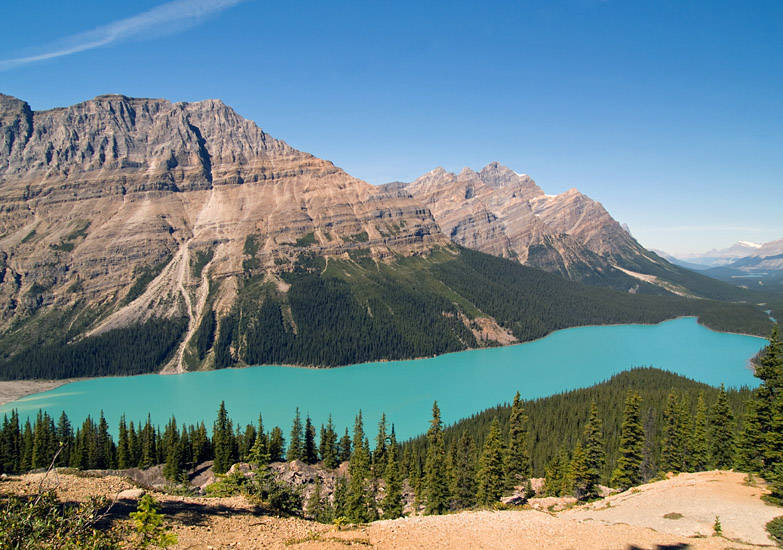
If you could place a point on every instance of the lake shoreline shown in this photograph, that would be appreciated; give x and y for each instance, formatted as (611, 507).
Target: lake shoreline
(12, 390)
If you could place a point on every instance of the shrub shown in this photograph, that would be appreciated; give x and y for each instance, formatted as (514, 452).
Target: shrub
(148, 525)
(775, 529)
(717, 529)
(43, 522)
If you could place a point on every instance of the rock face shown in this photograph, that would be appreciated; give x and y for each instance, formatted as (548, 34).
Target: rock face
(500, 212)
(98, 195)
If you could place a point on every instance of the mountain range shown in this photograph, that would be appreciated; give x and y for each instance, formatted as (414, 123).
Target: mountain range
(140, 234)
(745, 264)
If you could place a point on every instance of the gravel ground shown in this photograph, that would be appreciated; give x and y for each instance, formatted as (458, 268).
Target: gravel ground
(698, 498)
(630, 520)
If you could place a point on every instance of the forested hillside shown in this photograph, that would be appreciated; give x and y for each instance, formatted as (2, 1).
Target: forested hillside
(337, 311)
(556, 422)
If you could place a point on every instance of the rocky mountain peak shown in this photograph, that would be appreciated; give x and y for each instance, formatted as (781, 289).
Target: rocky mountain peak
(99, 193)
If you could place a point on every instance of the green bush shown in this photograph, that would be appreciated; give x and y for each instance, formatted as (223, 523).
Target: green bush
(148, 525)
(43, 522)
(230, 485)
(775, 529)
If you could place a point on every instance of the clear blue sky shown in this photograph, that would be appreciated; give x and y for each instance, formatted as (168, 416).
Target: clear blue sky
(668, 112)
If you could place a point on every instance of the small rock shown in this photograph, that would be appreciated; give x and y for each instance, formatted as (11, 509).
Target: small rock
(131, 494)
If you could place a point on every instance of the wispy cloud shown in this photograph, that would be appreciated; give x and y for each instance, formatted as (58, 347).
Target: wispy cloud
(159, 19)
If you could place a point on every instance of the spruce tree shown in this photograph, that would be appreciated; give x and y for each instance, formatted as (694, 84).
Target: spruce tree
(649, 465)
(556, 475)
(392, 499)
(464, 484)
(309, 451)
(65, 439)
(104, 445)
(123, 447)
(222, 435)
(341, 498)
(295, 450)
(627, 472)
(722, 432)
(435, 480)
(357, 509)
(518, 456)
(580, 476)
(379, 454)
(276, 445)
(490, 477)
(344, 449)
(699, 447)
(595, 453)
(259, 453)
(672, 457)
(329, 444)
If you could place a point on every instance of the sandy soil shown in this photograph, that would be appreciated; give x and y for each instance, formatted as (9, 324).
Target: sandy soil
(11, 390)
(630, 520)
(698, 498)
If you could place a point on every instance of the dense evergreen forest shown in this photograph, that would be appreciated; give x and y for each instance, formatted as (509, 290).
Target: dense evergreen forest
(343, 311)
(338, 312)
(136, 349)
(555, 423)
(622, 432)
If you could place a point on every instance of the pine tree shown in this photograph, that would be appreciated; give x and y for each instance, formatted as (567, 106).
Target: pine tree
(309, 452)
(357, 509)
(104, 445)
(518, 456)
(174, 465)
(722, 432)
(672, 457)
(392, 499)
(123, 447)
(148, 455)
(579, 474)
(490, 477)
(295, 451)
(686, 429)
(259, 453)
(627, 473)
(699, 456)
(64, 436)
(649, 466)
(464, 485)
(595, 454)
(329, 444)
(222, 435)
(341, 497)
(435, 479)
(344, 449)
(379, 454)
(276, 445)
(314, 507)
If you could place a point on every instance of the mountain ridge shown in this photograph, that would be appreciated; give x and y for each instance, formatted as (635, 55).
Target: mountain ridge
(137, 234)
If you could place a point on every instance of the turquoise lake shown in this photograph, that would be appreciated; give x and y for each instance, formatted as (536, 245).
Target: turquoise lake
(463, 383)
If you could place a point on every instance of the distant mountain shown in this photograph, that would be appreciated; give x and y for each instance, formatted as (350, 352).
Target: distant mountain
(740, 249)
(140, 234)
(501, 212)
(677, 261)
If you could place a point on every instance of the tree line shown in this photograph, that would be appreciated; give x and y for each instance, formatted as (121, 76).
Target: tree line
(473, 463)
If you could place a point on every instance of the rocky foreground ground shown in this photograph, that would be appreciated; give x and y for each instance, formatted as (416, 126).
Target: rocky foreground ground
(675, 513)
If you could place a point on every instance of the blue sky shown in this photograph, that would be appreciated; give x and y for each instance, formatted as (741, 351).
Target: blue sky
(669, 112)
